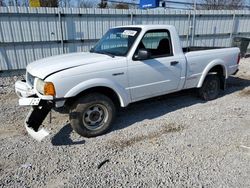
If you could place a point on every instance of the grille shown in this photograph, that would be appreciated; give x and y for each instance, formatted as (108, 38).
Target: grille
(30, 79)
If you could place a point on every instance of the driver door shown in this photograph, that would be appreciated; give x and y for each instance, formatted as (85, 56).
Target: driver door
(160, 73)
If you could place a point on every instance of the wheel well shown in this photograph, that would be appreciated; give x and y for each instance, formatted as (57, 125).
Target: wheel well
(218, 69)
(102, 90)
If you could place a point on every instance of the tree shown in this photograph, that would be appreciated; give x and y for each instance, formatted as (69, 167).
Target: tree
(49, 3)
(220, 4)
(13, 3)
(85, 4)
(121, 6)
(24, 3)
(2, 3)
(64, 3)
(103, 4)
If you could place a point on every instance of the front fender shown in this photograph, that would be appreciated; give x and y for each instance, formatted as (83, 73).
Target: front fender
(209, 67)
(121, 92)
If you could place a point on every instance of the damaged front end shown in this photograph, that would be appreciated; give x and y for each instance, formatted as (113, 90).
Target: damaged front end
(35, 118)
(38, 112)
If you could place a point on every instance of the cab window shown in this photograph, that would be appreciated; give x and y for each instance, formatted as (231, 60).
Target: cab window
(157, 43)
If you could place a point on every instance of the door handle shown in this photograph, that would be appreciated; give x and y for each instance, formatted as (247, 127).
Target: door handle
(174, 63)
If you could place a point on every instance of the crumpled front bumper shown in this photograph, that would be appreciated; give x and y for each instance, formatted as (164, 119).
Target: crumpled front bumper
(38, 135)
(23, 90)
(38, 112)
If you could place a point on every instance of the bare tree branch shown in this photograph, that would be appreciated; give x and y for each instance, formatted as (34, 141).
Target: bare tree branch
(85, 4)
(120, 6)
(2, 3)
(103, 4)
(220, 4)
(49, 3)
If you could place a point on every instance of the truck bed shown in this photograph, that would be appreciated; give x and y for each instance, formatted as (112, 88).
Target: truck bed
(199, 48)
(198, 59)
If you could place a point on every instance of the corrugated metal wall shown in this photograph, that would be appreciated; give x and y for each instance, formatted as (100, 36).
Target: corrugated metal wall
(27, 34)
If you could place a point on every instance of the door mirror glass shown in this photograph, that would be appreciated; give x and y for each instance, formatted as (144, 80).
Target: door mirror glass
(142, 54)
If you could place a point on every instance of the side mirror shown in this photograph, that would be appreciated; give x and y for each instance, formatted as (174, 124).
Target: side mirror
(142, 54)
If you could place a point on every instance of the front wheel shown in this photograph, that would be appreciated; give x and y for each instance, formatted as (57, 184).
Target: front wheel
(92, 115)
(210, 88)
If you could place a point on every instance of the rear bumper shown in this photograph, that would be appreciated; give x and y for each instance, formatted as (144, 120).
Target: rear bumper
(235, 72)
(232, 70)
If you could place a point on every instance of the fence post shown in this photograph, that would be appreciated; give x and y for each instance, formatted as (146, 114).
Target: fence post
(232, 30)
(131, 17)
(193, 27)
(61, 30)
(188, 31)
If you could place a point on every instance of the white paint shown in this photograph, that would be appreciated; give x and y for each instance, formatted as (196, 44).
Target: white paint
(31, 101)
(130, 79)
(76, 72)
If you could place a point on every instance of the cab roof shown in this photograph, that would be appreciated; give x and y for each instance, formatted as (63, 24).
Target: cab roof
(147, 27)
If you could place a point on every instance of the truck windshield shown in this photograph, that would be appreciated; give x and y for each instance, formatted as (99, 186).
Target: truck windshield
(117, 41)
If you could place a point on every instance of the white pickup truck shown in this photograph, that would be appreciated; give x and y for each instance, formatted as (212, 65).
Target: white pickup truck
(129, 64)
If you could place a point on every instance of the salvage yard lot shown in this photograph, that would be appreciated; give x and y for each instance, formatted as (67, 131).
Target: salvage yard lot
(174, 140)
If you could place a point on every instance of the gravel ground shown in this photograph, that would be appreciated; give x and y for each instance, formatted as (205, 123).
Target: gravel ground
(175, 140)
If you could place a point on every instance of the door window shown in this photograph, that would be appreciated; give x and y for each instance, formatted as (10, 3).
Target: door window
(157, 43)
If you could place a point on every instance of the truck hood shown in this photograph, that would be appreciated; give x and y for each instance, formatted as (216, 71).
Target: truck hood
(44, 67)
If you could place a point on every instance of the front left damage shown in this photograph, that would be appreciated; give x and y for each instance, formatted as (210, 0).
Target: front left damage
(39, 110)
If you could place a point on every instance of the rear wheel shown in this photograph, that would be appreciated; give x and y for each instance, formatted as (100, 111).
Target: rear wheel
(210, 88)
(92, 115)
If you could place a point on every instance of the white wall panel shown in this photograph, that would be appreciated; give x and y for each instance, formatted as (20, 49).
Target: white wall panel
(28, 34)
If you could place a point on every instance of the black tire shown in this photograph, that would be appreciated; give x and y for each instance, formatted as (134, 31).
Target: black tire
(92, 115)
(210, 88)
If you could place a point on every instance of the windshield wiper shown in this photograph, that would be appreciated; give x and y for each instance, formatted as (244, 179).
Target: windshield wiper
(105, 52)
(102, 52)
